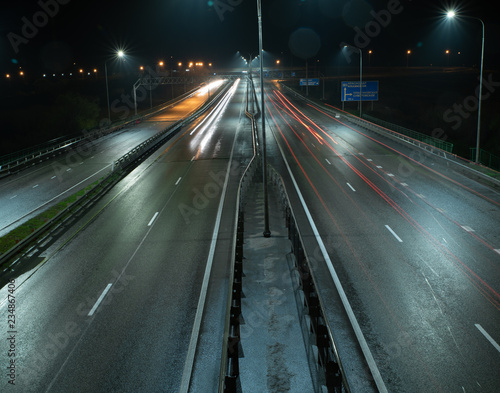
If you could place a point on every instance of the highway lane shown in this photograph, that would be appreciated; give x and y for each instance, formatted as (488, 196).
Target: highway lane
(146, 251)
(414, 243)
(23, 194)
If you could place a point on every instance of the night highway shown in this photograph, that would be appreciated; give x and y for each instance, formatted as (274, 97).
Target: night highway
(414, 243)
(114, 308)
(228, 196)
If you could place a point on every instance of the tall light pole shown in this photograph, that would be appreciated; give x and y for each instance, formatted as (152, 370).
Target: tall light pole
(120, 54)
(450, 15)
(360, 77)
(267, 232)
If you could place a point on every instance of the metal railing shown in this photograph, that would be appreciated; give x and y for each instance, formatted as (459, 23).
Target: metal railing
(486, 158)
(439, 143)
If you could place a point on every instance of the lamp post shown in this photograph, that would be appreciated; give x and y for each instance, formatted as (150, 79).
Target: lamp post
(408, 53)
(360, 77)
(450, 15)
(120, 54)
(267, 232)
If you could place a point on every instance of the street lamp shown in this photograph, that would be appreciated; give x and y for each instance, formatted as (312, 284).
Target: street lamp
(360, 77)
(120, 55)
(408, 53)
(451, 14)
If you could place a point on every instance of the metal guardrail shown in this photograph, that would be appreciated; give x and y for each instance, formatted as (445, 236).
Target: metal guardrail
(323, 357)
(439, 143)
(229, 369)
(486, 158)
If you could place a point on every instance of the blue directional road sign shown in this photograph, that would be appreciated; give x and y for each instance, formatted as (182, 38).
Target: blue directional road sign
(350, 91)
(312, 82)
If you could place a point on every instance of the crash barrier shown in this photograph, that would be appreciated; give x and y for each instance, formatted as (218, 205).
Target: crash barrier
(251, 106)
(120, 168)
(325, 365)
(439, 143)
(229, 369)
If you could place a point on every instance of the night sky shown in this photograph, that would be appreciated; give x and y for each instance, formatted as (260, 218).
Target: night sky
(87, 33)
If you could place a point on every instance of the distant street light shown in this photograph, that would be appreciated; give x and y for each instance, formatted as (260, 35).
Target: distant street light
(408, 53)
(450, 15)
(119, 54)
(360, 77)
(370, 58)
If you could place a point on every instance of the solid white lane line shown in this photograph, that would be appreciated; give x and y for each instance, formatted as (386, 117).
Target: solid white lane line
(153, 219)
(351, 187)
(488, 337)
(92, 311)
(497, 250)
(35, 186)
(192, 159)
(394, 233)
(468, 229)
(178, 180)
(328, 161)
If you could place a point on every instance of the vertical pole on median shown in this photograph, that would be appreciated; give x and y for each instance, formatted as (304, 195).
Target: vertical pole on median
(478, 136)
(107, 90)
(267, 232)
(360, 83)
